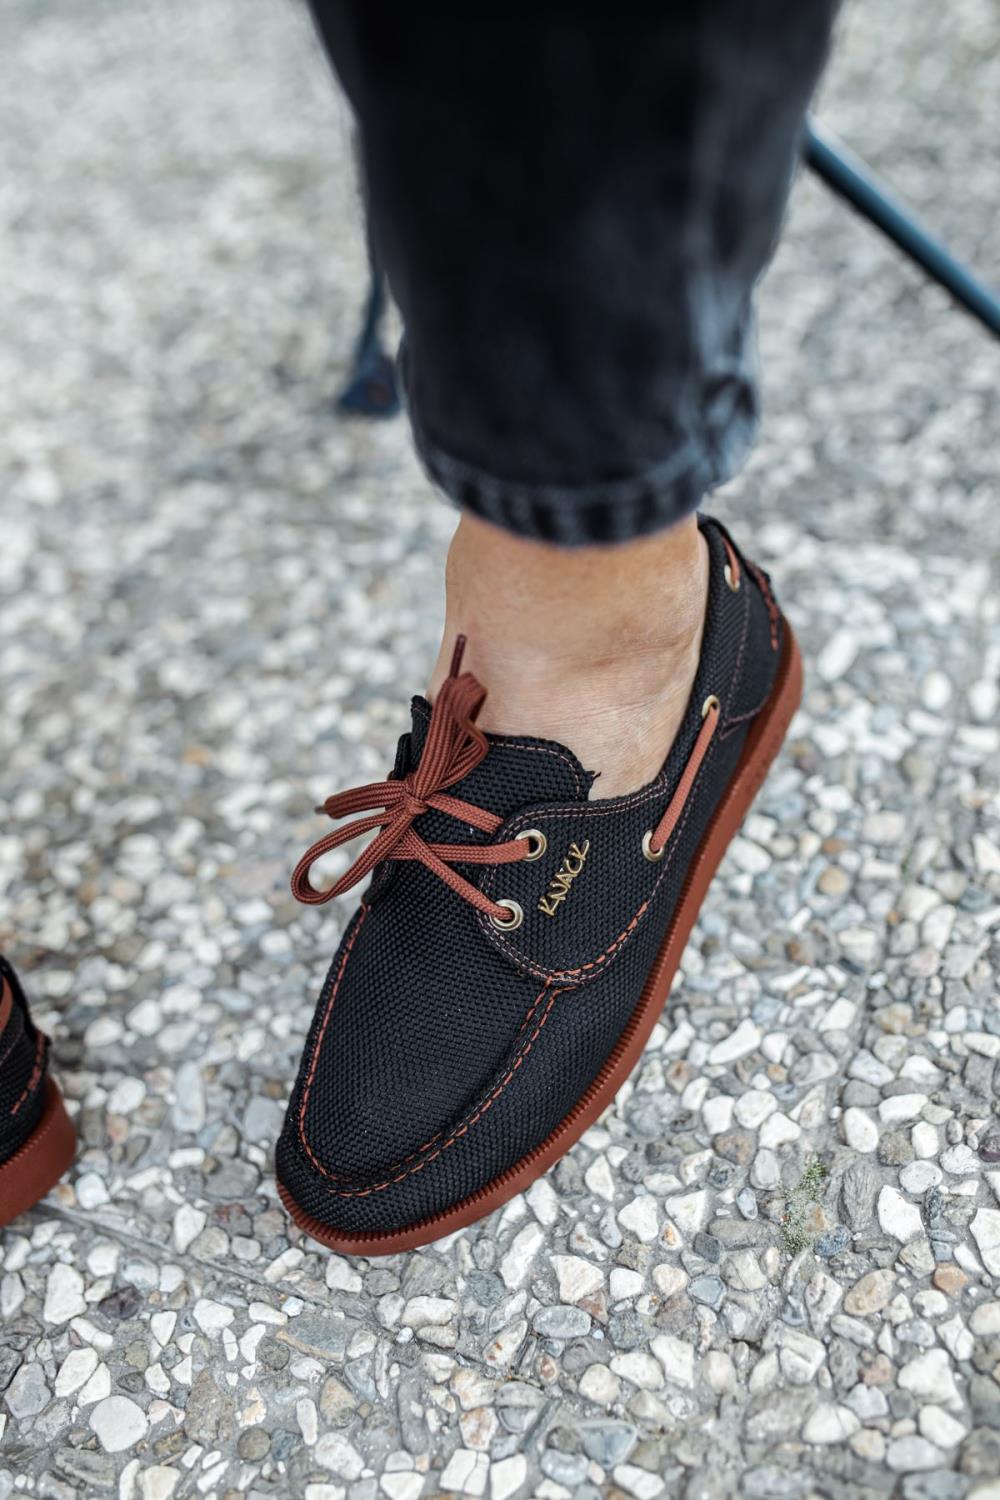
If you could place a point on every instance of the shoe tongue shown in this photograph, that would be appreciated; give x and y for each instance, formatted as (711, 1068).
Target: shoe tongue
(517, 771)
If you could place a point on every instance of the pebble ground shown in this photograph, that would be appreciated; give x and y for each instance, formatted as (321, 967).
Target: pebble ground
(773, 1269)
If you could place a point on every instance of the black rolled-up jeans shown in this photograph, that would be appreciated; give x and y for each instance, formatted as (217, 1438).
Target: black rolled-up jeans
(573, 210)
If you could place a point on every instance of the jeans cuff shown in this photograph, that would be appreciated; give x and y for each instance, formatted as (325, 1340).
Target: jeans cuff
(604, 512)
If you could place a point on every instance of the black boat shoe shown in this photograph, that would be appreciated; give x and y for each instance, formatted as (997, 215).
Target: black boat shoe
(36, 1138)
(517, 942)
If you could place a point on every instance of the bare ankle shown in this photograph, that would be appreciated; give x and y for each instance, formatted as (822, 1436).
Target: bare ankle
(597, 649)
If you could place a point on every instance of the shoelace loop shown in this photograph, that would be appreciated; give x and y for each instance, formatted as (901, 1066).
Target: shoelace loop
(454, 746)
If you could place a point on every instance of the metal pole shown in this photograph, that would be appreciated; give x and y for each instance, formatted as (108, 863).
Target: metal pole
(847, 175)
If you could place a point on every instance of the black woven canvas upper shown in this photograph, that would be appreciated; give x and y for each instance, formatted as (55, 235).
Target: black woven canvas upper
(23, 1061)
(444, 1050)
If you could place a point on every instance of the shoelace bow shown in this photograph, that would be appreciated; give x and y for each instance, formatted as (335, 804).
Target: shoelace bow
(454, 746)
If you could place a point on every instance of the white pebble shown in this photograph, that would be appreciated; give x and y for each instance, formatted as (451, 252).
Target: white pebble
(118, 1422)
(577, 1277)
(739, 1043)
(64, 1297)
(508, 1476)
(624, 1283)
(717, 1114)
(465, 1472)
(188, 1224)
(860, 1130)
(960, 1161)
(917, 1176)
(676, 1357)
(986, 1233)
(898, 1217)
(641, 1218)
(516, 1264)
(901, 1107)
(341, 1275)
(75, 1370)
(837, 655)
(126, 1096)
(907, 1455)
(930, 1377)
(830, 1424)
(753, 1108)
(642, 1483)
(211, 1317)
(939, 1427)
(91, 1191)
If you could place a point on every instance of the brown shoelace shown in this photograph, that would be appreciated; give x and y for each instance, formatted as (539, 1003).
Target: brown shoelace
(454, 746)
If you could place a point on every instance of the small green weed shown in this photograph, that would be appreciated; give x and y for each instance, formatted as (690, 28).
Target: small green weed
(801, 1223)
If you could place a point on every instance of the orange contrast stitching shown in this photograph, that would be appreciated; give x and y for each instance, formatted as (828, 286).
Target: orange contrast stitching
(602, 959)
(36, 1072)
(329, 1005)
(739, 658)
(438, 1133)
(6, 1003)
(636, 799)
(465, 1128)
(457, 1134)
(506, 744)
(770, 603)
(13, 1043)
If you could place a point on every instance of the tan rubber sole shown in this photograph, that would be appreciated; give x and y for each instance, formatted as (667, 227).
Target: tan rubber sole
(763, 743)
(38, 1165)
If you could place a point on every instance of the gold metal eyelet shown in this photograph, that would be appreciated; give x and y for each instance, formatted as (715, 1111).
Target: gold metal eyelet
(537, 843)
(734, 583)
(516, 915)
(710, 702)
(647, 847)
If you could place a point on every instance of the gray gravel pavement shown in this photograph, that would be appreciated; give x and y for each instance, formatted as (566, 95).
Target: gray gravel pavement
(773, 1268)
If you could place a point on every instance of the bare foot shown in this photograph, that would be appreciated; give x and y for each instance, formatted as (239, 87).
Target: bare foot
(595, 647)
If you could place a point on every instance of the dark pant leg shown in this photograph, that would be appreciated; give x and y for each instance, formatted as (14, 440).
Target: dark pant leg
(573, 210)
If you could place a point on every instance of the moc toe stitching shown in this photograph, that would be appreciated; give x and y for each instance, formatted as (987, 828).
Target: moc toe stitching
(431, 1150)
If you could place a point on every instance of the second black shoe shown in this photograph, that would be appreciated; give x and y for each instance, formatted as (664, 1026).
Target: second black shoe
(37, 1141)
